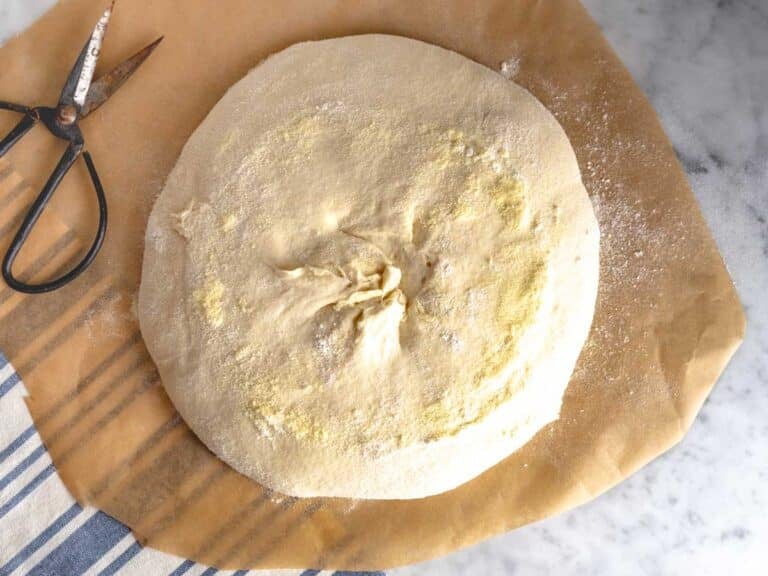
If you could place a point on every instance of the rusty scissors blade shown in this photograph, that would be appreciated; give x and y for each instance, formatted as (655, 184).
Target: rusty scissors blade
(79, 97)
(106, 85)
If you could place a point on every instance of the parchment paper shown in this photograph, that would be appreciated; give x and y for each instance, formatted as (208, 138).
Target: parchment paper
(667, 319)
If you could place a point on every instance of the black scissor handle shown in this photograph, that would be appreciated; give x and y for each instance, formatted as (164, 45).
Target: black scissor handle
(71, 154)
(24, 126)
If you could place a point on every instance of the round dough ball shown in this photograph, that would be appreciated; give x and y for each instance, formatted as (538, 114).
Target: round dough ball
(371, 271)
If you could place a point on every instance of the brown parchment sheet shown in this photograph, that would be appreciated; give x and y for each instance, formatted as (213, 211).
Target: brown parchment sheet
(667, 320)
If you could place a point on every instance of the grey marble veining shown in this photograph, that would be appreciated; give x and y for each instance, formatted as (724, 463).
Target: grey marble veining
(702, 508)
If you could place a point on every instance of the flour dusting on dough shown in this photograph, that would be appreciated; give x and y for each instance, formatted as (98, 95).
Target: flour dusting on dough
(380, 285)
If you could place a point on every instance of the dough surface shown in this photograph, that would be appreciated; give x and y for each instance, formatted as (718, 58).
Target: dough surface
(371, 271)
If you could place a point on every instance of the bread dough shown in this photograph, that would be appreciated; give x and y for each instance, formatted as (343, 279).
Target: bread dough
(371, 271)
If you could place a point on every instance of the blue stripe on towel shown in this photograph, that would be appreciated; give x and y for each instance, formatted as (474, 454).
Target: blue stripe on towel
(17, 443)
(121, 560)
(182, 568)
(27, 490)
(9, 383)
(33, 457)
(83, 547)
(41, 539)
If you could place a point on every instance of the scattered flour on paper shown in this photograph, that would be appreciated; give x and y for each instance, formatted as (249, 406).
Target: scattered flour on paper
(637, 237)
(510, 67)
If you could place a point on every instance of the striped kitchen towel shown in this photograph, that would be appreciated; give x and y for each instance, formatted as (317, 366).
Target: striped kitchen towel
(43, 530)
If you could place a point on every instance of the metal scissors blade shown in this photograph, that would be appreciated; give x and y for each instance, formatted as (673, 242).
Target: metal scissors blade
(79, 80)
(106, 85)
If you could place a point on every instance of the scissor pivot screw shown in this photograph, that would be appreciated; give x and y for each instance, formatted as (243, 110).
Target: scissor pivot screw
(67, 115)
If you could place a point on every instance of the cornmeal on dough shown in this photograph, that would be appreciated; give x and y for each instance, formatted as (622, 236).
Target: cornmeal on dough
(371, 271)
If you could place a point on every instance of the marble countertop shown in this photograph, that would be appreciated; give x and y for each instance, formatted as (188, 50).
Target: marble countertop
(701, 508)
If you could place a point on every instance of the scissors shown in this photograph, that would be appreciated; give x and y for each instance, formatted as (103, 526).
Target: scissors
(79, 97)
